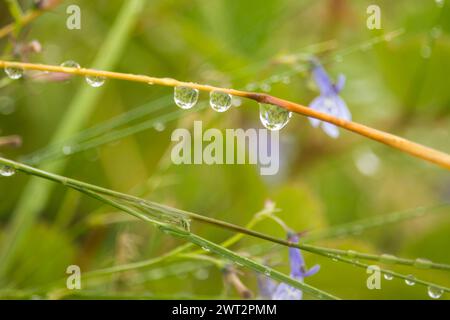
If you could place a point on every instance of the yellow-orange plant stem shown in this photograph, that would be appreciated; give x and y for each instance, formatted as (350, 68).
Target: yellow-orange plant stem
(434, 156)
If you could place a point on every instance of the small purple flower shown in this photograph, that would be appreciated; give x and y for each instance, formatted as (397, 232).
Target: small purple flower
(282, 291)
(329, 100)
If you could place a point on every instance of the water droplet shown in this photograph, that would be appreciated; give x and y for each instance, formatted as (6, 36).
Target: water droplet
(388, 276)
(67, 150)
(14, 73)
(95, 81)
(236, 102)
(273, 117)
(70, 64)
(422, 263)
(220, 101)
(206, 249)
(351, 253)
(201, 274)
(435, 293)
(440, 3)
(185, 97)
(267, 272)
(7, 171)
(387, 258)
(159, 126)
(266, 87)
(436, 32)
(410, 281)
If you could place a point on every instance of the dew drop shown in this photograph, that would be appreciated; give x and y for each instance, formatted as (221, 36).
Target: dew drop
(95, 81)
(436, 32)
(266, 87)
(201, 274)
(435, 293)
(185, 97)
(159, 126)
(206, 249)
(388, 276)
(440, 3)
(387, 258)
(422, 263)
(14, 73)
(273, 117)
(70, 64)
(67, 150)
(410, 281)
(236, 102)
(351, 253)
(267, 272)
(220, 101)
(7, 171)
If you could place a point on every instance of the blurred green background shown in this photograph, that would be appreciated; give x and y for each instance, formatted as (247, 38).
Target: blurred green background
(400, 86)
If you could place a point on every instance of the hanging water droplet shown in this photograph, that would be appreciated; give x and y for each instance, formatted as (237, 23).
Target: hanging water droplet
(435, 293)
(422, 263)
(67, 150)
(95, 81)
(440, 3)
(159, 126)
(220, 101)
(387, 258)
(388, 276)
(410, 281)
(266, 87)
(7, 171)
(351, 253)
(70, 64)
(206, 249)
(185, 97)
(273, 117)
(236, 102)
(267, 272)
(436, 32)
(14, 73)
(201, 274)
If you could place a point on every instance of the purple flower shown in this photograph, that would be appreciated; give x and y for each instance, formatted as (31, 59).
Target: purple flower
(282, 291)
(329, 100)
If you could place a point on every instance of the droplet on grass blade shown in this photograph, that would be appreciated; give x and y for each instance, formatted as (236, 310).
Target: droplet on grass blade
(70, 64)
(220, 101)
(7, 171)
(411, 280)
(388, 276)
(185, 97)
(14, 73)
(435, 293)
(95, 81)
(422, 263)
(273, 117)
